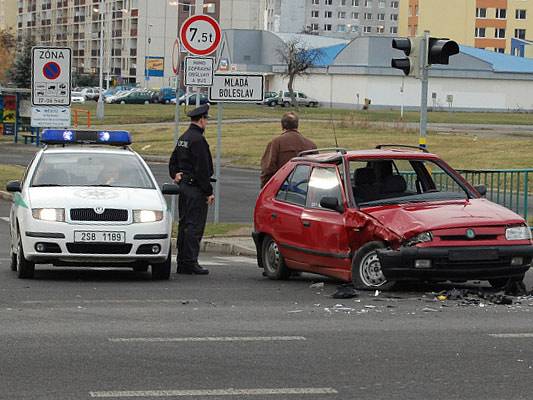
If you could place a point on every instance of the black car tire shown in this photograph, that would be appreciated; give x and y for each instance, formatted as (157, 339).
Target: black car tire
(273, 262)
(272, 103)
(146, 102)
(313, 104)
(286, 104)
(25, 268)
(13, 263)
(366, 269)
(140, 268)
(161, 271)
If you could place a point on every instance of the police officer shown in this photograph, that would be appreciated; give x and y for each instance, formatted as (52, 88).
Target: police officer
(191, 165)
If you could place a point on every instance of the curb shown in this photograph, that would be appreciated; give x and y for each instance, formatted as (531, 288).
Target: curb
(220, 246)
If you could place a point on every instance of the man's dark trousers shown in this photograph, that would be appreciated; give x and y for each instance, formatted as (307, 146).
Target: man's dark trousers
(192, 208)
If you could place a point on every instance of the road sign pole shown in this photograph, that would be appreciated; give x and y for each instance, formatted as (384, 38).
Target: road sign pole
(422, 141)
(218, 162)
(198, 9)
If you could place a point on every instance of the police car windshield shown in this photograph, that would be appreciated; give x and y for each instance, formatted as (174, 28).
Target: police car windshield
(91, 169)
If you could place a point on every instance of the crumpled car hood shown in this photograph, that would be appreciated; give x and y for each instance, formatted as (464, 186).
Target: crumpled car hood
(407, 220)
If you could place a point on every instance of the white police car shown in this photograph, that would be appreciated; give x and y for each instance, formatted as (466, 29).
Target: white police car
(90, 201)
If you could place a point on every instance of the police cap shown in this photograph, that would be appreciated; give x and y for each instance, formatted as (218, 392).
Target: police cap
(201, 111)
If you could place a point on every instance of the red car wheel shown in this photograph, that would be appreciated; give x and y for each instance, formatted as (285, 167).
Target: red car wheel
(273, 261)
(366, 269)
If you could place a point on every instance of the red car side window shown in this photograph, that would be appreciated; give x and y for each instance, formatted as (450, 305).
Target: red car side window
(324, 182)
(294, 189)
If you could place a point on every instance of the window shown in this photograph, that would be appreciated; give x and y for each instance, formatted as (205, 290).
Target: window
(480, 32)
(481, 12)
(314, 14)
(381, 17)
(327, 27)
(368, 3)
(368, 15)
(355, 28)
(294, 189)
(499, 50)
(355, 3)
(341, 14)
(501, 13)
(520, 33)
(381, 4)
(520, 14)
(394, 4)
(343, 2)
(367, 29)
(341, 28)
(499, 33)
(210, 8)
(393, 29)
(324, 182)
(394, 17)
(316, 2)
(380, 29)
(314, 27)
(328, 2)
(327, 14)
(355, 15)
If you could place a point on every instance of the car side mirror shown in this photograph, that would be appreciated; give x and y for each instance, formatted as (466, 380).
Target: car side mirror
(331, 203)
(170, 188)
(14, 186)
(482, 190)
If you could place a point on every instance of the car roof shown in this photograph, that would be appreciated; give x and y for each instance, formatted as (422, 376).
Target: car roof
(389, 153)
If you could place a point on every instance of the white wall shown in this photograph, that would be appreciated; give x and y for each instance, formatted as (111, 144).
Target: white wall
(384, 91)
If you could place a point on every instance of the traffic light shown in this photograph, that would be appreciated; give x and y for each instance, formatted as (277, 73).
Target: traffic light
(410, 65)
(440, 50)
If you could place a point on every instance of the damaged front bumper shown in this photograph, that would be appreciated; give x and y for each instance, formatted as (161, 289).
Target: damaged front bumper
(456, 263)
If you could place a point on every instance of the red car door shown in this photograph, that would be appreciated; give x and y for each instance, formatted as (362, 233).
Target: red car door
(326, 237)
(288, 205)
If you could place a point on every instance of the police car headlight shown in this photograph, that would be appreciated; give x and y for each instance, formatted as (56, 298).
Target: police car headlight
(49, 214)
(518, 233)
(140, 216)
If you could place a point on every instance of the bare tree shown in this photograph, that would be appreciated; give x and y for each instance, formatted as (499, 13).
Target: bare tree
(298, 58)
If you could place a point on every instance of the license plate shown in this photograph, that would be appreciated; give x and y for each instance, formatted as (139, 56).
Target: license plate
(99, 237)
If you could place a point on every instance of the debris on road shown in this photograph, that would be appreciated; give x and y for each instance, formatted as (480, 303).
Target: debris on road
(318, 285)
(345, 292)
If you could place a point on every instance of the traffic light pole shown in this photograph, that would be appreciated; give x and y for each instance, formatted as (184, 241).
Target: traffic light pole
(422, 142)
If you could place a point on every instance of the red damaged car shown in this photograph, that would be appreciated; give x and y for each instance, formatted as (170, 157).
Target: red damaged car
(377, 216)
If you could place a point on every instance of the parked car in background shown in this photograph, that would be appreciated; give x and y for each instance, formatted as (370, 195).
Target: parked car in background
(378, 216)
(135, 97)
(91, 93)
(301, 98)
(270, 98)
(77, 97)
(190, 99)
(166, 94)
(111, 98)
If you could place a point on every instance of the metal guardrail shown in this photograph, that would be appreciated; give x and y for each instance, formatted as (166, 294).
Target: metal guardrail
(511, 188)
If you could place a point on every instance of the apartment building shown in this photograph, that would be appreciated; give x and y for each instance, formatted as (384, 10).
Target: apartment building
(138, 35)
(8, 15)
(243, 14)
(486, 24)
(336, 18)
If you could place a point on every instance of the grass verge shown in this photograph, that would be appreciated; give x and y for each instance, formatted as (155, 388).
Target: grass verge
(221, 229)
(9, 172)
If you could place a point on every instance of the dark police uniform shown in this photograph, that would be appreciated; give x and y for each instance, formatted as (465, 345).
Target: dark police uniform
(193, 158)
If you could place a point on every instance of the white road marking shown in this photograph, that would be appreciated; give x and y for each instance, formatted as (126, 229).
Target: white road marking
(212, 339)
(116, 301)
(511, 335)
(215, 392)
(6, 219)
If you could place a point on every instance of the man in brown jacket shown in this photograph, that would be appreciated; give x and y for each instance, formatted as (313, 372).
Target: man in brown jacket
(284, 147)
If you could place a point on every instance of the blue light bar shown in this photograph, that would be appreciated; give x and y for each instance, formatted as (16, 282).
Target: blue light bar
(70, 136)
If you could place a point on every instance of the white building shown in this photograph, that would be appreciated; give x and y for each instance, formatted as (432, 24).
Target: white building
(349, 73)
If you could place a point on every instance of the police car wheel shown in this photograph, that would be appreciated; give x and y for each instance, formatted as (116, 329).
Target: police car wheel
(366, 269)
(273, 262)
(25, 268)
(161, 271)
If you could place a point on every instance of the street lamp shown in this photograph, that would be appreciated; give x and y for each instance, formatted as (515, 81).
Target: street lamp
(147, 57)
(100, 104)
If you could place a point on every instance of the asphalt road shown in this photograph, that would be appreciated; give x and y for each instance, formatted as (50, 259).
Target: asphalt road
(83, 334)
(239, 187)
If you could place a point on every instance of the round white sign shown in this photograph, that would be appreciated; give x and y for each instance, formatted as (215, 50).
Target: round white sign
(200, 34)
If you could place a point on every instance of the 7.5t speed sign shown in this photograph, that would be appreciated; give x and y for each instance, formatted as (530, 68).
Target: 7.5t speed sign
(200, 35)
